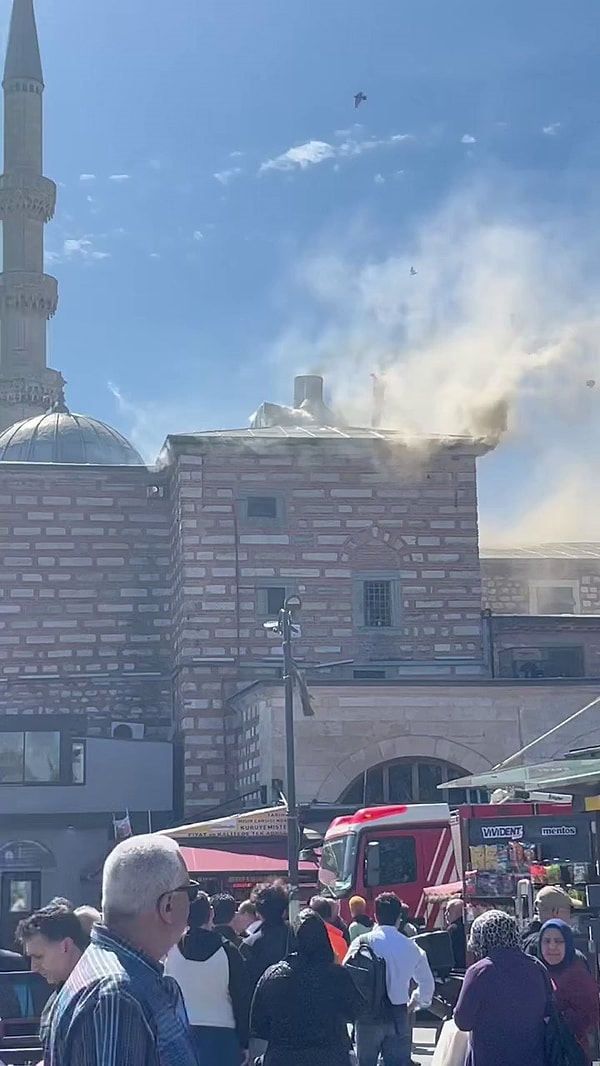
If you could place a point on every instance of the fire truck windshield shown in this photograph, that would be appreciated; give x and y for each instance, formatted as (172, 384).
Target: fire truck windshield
(337, 864)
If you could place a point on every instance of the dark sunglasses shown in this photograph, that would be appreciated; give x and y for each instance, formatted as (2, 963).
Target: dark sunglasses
(191, 890)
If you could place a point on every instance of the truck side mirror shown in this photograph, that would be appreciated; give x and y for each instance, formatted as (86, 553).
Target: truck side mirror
(372, 864)
(309, 855)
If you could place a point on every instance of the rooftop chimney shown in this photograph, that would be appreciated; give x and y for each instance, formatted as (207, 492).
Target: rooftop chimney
(308, 387)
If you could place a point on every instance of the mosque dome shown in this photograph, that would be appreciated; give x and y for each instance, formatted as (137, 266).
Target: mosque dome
(61, 437)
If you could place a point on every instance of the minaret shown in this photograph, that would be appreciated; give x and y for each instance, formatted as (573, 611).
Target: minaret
(28, 296)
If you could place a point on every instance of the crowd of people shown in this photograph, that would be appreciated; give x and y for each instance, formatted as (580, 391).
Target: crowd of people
(167, 976)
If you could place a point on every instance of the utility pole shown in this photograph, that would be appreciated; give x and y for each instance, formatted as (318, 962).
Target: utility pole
(286, 628)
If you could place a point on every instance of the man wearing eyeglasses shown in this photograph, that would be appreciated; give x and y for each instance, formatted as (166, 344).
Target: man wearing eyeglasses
(117, 1008)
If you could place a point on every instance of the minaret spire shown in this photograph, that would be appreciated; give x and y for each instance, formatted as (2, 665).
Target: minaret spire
(23, 52)
(28, 296)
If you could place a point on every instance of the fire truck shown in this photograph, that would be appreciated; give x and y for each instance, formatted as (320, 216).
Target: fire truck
(423, 851)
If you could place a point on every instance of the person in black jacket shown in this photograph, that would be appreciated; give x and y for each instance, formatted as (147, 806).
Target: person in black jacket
(224, 910)
(455, 924)
(303, 1005)
(270, 943)
(272, 940)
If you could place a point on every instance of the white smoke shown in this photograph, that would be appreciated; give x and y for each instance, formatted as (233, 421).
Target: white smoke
(498, 330)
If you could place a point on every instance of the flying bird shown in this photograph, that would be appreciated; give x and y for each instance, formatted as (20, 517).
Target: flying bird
(590, 383)
(359, 98)
(413, 272)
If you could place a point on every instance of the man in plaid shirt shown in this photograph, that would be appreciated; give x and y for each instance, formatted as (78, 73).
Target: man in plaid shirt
(117, 1008)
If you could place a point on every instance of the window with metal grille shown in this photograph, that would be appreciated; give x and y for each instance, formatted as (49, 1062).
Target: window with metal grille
(261, 507)
(377, 604)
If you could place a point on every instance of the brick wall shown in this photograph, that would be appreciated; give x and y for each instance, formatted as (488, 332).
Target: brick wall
(346, 508)
(84, 592)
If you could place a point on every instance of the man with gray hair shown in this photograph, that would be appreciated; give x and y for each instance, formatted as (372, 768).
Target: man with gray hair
(117, 1008)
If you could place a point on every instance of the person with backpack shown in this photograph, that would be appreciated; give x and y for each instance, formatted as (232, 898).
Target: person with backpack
(384, 964)
(216, 989)
(303, 1005)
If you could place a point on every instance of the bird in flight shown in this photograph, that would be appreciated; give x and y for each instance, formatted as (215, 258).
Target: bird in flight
(413, 272)
(359, 98)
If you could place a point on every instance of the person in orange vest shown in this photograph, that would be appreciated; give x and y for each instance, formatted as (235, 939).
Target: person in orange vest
(324, 909)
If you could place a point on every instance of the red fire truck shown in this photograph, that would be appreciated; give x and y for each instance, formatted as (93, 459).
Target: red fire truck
(413, 849)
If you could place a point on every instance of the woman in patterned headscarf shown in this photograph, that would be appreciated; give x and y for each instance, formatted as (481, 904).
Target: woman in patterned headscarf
(504, 998)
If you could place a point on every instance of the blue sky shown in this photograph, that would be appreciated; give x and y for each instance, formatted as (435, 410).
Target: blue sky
(201, 264)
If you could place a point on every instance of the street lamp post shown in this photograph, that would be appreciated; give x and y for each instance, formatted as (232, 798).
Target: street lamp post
(286, 628)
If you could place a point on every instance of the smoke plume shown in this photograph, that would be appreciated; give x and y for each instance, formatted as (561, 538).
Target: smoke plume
(496, 336)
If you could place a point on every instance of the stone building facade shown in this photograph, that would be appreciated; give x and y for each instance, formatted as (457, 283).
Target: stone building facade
(379, 543)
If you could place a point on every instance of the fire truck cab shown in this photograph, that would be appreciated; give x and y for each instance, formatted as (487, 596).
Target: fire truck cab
(401, 849)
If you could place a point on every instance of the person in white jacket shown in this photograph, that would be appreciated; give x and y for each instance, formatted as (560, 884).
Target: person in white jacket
(216, 989)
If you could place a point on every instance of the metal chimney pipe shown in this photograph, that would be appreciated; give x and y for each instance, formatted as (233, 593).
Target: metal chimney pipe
(308, 387)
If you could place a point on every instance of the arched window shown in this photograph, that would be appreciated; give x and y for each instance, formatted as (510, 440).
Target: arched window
(410, 781)
(26, 855)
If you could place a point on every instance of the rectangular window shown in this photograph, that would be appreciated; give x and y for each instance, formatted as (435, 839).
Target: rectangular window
(262, 507)
(42, 757)
(376, 601)
(553, 661)
(31, 758)
(11, 758)
(275, 599)
(397, 861)
(430, 776)
(401, 787)
(377, 604)
(21, 897)
(271, 598)
(78, 762)
(554, 598)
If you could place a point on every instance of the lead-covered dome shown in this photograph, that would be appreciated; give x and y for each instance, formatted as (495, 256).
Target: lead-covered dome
(61, 437)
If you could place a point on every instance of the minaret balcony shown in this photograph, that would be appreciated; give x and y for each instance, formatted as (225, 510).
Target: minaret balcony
(26, 293)
(24, 193)
(41, 392)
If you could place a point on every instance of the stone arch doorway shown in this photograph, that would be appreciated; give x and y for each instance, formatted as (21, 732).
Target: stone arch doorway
(409, 781)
